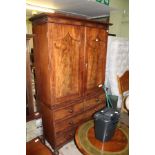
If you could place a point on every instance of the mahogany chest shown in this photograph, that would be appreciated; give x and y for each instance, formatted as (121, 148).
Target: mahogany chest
(70, 59)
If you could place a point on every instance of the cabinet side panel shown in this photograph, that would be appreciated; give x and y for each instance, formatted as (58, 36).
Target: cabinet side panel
(47, 120)
(41, 63)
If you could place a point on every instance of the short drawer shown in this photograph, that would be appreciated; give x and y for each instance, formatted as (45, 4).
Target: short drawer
(68, 111)
(69, 123)
(89, 113)
(64, 137)
(94, 101)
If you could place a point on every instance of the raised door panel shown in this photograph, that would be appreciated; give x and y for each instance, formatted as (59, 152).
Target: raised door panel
(67, 53)
(95, 61)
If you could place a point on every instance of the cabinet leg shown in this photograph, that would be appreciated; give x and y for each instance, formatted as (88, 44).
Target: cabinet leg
(56, 152)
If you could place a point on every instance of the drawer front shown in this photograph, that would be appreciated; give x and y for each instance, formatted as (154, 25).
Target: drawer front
(89, 114)
(68, 111)
(69, 123)
(64, 137)
(94, 102)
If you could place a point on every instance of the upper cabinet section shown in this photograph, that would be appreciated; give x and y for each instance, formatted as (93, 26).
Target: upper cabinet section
(70, 57)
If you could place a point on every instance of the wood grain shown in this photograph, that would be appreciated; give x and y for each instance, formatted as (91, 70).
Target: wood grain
(69, 123)
(68, 111)
(35, 147)
(123, 82)
(88, 144)
(41, 62)
(117, 143)
(94, 101)
(67, 48)
(123, 86)
(67, 19)
(96, 40)
(67, 90)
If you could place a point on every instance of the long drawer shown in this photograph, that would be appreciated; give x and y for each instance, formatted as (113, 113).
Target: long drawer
(65, 136)
(69, 123)
(62, 135)
(88, 104)
(68, 111)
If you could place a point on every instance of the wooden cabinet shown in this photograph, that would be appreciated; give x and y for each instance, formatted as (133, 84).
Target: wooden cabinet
(70, 58)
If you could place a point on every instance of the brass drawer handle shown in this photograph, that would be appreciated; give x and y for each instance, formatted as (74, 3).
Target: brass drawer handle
(97, 39)
(98, 101)
(70, 135)
(71, 123)
(70, 110)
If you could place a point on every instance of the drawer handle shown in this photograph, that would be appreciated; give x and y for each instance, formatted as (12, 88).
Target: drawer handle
(70, 134)
(95, 109)
(96, 39)
(100, 85)
(98, 101)
(71, 123)
(70, 110)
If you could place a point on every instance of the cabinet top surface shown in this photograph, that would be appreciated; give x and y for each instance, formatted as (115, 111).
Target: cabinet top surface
(46, 16)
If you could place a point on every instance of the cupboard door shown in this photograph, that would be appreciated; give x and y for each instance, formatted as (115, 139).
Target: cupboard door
(67, 50)
(96, 41)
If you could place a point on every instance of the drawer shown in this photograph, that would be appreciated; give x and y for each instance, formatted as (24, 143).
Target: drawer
(64, 137)
(69, 123)
(68, 111)
(94, 101)
(89, 114)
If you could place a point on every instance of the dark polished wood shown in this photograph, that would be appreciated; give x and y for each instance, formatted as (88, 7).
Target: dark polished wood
(123, 86)
(67, 54)
(36, 147)
(69, 64)
(117, 143)
(35, 115)
(68, 111)
(99, 100)
(123, 82)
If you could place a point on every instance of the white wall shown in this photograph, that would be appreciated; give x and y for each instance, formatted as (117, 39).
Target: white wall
(119, 18)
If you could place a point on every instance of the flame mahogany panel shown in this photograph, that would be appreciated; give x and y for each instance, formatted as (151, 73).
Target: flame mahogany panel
(67, 52)
(96, 45)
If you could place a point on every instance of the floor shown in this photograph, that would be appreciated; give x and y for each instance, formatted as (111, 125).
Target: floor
(71, 149)
(68, 149)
